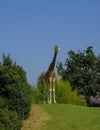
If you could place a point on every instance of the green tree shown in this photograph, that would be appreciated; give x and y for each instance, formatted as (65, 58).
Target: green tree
(82, 69)
(14, 87)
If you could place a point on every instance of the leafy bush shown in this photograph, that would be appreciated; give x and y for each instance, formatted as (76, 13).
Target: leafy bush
(19, 99)
(37, 96)
(38, 90)
(2, 127)
(64, 94)
(9, 120)
(14, 87)
(3, 103)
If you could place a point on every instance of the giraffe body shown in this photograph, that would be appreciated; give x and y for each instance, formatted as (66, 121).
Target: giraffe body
(49, 81)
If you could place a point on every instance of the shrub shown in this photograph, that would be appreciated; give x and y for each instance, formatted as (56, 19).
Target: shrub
(64, 94)
(15, 89)
(9, 120)
(2, 127)
(37, 96)
(3, 103)
(19, 100)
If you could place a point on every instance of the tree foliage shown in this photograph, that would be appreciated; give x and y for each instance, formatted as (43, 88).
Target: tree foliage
(82, 69)
(8, 119)
(14, 88)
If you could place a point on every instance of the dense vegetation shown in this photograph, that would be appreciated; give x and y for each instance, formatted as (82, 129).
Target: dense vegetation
(82, 70)
(15, 95)
(80, 77)
(64, 93)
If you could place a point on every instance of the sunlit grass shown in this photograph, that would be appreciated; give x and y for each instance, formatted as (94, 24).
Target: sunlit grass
(71, 117)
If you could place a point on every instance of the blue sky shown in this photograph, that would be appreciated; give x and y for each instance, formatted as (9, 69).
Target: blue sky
(29, 29)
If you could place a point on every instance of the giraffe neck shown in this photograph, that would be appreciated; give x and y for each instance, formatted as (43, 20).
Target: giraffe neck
(52, 65)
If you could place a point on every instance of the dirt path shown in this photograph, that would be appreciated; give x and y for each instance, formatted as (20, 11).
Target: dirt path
(36, 120)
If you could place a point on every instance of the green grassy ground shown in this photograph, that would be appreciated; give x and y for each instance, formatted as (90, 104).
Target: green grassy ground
(71, 117)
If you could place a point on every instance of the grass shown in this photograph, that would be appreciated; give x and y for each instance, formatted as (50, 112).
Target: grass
(71, 117)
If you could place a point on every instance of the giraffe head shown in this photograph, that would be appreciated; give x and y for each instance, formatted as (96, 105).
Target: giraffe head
(56, 48)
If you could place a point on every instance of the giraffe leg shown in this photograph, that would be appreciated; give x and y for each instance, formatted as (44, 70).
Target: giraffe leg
(50, 91)
(54, 90)
(48, 98)
(44, 97)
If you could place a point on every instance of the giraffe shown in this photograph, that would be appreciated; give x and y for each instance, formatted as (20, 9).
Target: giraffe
(49, 80)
